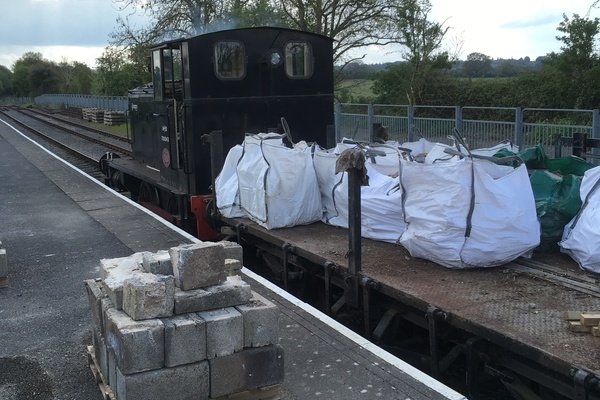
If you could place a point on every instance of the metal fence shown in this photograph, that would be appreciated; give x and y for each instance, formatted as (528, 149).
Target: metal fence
(114, 103)
(480, 126)
(15, 100)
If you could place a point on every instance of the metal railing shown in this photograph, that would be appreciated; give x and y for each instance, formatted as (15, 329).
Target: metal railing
(480, 126)
(113, 103)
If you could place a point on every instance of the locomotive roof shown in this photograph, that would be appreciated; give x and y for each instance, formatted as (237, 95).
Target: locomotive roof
(219, 33)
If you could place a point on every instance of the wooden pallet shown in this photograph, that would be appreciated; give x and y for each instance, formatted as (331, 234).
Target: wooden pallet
(105, 390)
(265, 393)
(3, 281)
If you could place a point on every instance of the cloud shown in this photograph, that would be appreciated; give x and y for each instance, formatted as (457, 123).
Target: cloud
(58, 22)
(533, 22)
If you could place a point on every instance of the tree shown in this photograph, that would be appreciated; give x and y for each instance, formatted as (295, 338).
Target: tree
(477, 65)
(354, 24)
(425, 60)
(115, 74)
(33, 75)
(173, 19)
(5, 81)
(577, 59)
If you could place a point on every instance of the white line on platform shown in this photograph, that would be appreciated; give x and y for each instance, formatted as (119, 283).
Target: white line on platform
(359, 340)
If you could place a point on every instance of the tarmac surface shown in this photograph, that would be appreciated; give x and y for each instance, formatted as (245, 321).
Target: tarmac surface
(56, 225)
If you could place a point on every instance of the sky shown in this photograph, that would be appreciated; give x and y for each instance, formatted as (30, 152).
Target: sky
(78, 30)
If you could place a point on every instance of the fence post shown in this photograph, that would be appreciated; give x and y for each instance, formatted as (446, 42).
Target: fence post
(337, 119)
(411, 122)
(518, 127)
(595, 132)
(370, 121)
(458, 123)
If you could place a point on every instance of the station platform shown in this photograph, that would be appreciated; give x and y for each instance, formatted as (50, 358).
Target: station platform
(56, 224)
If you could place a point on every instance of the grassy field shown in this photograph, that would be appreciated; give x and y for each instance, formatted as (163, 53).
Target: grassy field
(357, 88)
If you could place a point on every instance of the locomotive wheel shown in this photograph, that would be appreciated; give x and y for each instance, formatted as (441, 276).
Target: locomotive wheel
(148, 194)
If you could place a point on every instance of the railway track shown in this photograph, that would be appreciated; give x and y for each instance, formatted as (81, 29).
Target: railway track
(81, 150)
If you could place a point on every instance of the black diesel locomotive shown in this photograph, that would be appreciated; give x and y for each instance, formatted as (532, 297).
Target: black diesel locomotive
(209, 91)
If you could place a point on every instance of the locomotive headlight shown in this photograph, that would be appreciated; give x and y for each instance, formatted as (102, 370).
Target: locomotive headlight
(275, 58)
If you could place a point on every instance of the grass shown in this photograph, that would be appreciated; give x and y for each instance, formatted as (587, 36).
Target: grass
(357, 88)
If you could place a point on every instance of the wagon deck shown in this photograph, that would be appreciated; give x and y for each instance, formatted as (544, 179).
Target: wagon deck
(518, 313)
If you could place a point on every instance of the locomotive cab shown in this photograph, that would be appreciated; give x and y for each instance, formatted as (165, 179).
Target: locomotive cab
(236, 82)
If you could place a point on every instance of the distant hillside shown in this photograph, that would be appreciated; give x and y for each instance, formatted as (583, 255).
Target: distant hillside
(496, 68)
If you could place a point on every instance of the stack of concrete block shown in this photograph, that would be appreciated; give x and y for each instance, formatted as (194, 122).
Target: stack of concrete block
(93, 114)
(3, 267)
(181, 324)
(114, 117)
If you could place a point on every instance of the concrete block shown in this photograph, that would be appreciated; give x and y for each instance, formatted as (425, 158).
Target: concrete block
(233, 267)
(185, 340)
(261, 321)
(95, 295)
(233, 250)
(137, 345)
(112, 369)
(3, 263)
(147, 296)
(157, 263)
(230, 293)
(224, 332)
(101, 353)
(105, 305)
(246, 370)
(114, 274)
(114, 266)
(198, 265)
(186, 382)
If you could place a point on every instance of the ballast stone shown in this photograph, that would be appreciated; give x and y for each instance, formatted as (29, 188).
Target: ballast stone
(261, 321)
(147, 296)
(224, 332)
(137, 345)
(185, 340)
(185, 382)
(232, 292)
(198, 265)
(246, 370)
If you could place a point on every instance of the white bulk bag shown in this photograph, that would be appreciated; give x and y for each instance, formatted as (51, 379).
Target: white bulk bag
(503, 222)
(421, 146)
(381, 201)
(581, 236)
(226, 185)
(278, 185)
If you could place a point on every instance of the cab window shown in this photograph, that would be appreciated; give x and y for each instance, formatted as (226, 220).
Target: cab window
(157, 77)
(230, 60)
(298, 60)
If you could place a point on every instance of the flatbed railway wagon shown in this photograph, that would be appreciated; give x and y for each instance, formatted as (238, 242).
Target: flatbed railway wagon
(494, 333)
